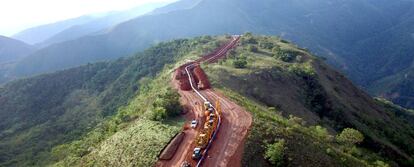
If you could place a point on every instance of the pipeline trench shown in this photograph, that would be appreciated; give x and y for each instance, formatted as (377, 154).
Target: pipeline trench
(225, 146)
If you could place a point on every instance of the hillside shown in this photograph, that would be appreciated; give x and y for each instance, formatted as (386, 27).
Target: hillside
(11, 50)
(397, 87)
(122, 113)
(369, 40)
(40, 113)
(292, 82)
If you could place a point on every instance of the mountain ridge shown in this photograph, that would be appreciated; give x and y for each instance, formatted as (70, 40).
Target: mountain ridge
(292, 95)
(362, 38)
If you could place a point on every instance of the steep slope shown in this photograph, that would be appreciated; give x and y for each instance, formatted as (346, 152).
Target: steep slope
(398, 87)
(121, 113)
(357, 36)
(390, 51)
(292, 82)
(40, 113)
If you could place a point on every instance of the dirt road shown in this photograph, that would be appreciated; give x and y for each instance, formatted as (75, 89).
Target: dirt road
(229, 143)
(227, 148)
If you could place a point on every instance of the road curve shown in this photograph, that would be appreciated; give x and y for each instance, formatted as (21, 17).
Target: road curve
(226, 150)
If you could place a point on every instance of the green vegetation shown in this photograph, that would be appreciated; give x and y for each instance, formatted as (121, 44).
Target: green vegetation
(166, 105)
(240, 62)
(350, 137)
(66, 115)
(322, 102)
(275, 152)
(275, 140)
(122, 113)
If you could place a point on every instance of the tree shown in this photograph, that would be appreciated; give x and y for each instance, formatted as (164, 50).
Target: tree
(159, 114)
(248, 38)
(240, 62)
(350, 137)
(253, 48)
(266, 45)
(321, 133)
(275, 152)
(169, 100)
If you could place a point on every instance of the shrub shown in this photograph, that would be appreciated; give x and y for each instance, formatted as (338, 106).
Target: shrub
(321, 133)
(350, 137)
(329, 151)
(240, 62)
(231, 54)
(253, 48)
(284, 41)
(304, 71)
(379, 163)
(266, 45)
(275, 152)
(159, 114)
(276, 50)
(287, 57)
(248, 39)
(169, 100)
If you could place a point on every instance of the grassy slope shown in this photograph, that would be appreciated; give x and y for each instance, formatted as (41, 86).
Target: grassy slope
(306, 88)
(42, 112)
(306, 143)
(124, 139)
(120, 135)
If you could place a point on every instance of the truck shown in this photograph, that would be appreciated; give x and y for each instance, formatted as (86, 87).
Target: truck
(197, 153)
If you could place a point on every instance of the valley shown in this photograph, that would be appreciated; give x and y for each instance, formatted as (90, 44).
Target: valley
(369, 41)
(207, 83)
(274, 96)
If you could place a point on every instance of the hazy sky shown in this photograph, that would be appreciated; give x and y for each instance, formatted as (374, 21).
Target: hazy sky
(16, 15)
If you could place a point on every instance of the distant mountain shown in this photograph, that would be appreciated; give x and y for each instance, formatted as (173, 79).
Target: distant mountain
(45, 35)
(368, 39)
(40, 33)
(11, 49)
(100, 24)
(179, 5)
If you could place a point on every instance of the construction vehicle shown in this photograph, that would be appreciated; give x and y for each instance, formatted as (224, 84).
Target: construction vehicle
(197, 153)
(194, 124)
(205, 135)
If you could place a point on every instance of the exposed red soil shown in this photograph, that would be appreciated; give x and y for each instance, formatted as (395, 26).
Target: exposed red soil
(192, 103)
(201, 78)
(227, 148)
(172, 148)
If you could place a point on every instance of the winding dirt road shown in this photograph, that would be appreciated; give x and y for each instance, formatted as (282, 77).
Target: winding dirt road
(227, 148)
